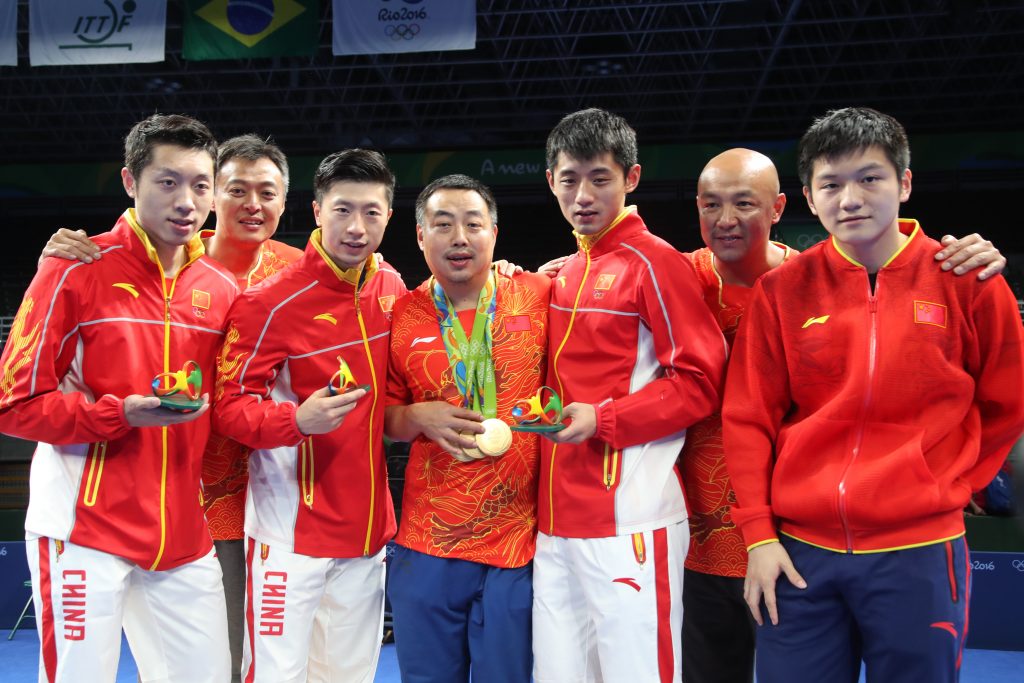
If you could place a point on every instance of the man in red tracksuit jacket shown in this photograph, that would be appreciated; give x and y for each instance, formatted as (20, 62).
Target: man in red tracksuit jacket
(868, 395)
(319, 511)
(115, 528)
(250, 190)
(637, 358)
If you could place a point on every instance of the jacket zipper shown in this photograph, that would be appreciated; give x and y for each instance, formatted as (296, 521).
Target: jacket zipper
(163, 430)
(865, 405)
(373, 406)
(561, 389)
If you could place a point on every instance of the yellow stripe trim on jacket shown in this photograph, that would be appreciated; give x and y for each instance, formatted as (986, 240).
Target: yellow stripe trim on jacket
(871, 552)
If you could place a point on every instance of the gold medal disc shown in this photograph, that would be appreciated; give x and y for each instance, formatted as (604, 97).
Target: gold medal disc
(469, 454)
(496, 439)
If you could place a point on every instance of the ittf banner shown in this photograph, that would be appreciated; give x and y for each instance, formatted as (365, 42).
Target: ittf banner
(68, 32)
(8, 33)
(370, 27)
(228, 29)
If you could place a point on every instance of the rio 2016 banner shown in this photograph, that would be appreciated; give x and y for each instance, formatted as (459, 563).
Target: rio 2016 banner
(381, 26)
(63, 32)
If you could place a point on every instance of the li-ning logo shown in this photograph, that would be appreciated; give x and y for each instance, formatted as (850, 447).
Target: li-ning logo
(815, 321)
(95, 31)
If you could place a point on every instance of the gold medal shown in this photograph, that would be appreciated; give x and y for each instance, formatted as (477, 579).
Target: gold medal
(496, 439)
(469, 454)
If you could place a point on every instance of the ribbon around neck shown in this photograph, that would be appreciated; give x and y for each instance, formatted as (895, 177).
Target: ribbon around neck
(470, 357)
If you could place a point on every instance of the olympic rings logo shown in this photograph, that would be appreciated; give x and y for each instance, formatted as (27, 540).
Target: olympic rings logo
(1018, 565)
(402, 31)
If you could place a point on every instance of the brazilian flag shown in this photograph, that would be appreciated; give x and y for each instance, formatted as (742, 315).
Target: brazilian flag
(243, 29)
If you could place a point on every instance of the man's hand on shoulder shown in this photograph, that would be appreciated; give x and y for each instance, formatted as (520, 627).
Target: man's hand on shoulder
(552, 267)
(507, 268)
(764, 564)
(970, 253)
(322, 413)
(146, 411)
(73, 245)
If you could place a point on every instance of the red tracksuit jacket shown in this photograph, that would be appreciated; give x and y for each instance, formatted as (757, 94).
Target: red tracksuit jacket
(324, 495)
(86, 336)
(630, 333)
(860, 421)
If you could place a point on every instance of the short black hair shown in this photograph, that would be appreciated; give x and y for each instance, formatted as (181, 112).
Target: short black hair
(165, 129)
(587, 134)
(853, 129)
(253, 148)
(456, 181)
(356, 165)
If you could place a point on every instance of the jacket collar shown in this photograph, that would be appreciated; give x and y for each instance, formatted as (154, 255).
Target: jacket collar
(142, 247)
(909, 227)
(627, 224)
(328, 271)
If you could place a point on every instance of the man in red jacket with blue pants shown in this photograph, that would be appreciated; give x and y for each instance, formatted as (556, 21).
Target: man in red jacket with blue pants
(868, 395)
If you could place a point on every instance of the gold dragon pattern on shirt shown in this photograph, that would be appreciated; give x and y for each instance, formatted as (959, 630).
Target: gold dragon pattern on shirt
(19, 349)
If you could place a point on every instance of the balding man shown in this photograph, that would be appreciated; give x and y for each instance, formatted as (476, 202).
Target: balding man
(738, 201)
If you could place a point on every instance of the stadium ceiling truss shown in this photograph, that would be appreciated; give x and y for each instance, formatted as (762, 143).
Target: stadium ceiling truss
(680, 71)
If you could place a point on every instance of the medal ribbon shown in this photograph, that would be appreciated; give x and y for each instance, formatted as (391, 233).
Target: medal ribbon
(470, 357)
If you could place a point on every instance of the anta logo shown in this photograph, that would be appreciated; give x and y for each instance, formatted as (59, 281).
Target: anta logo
(326, 316)
(946, 626)
(200, 303)
(928, 313)
(386, 303)
(128, 287)
(272, 603)
(815, 321)
(626, 581)
(72, 600)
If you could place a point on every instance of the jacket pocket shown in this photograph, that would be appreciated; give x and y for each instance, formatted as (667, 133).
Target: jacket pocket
(94, 472)
(890, 482)
(306, 472)
(811, 457)
(610, 469)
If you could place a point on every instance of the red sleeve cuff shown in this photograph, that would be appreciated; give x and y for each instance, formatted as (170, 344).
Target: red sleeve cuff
(294, 436)
(756, 524)
(604, 414)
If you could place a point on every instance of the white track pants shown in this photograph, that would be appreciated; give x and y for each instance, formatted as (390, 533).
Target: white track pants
(175, 619)
(609, 609)
(311, 618)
